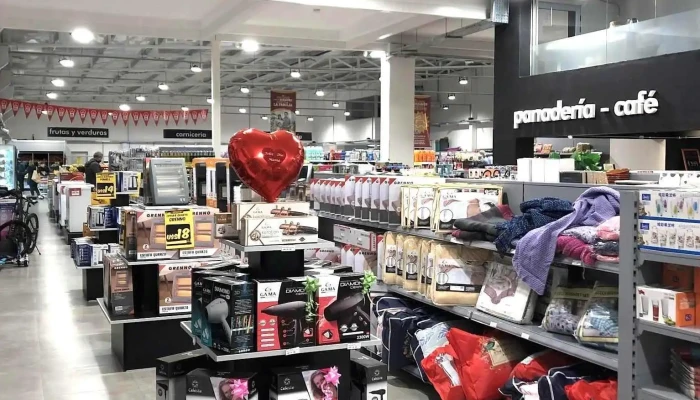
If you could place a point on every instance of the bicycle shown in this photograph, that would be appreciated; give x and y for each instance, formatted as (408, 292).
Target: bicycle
(18, 236)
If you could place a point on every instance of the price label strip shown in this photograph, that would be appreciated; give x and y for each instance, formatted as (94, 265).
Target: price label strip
(106, 185)
(179, 229)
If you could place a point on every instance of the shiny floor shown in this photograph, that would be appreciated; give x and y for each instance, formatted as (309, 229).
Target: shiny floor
(55, 346)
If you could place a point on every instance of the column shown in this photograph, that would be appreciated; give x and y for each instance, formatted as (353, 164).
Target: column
(397, 96)
(216, 96)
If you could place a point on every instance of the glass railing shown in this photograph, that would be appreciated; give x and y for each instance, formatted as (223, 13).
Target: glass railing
(636, 40)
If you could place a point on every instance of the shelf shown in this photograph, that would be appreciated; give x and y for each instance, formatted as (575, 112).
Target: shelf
(670, 256)
(169, 261)
(103, 229)
(321, 244)
(658, 392)
(99, 266)
(689, 334)
(562, 343)
(219, 357)
(131, 319)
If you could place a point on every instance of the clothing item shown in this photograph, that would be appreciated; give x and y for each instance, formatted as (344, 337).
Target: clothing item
(607, 247)
(608, 259)
(598, 326)
(483, 226)
(610, 229)
(598, 390)
(570, 246)
(442, 367)
(536, 213)
(565, 309)
(92, 168)
(535, 251)
(586, 234)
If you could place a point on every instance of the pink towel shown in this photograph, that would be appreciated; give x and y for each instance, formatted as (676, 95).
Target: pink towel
(610, 229)
(570, 246)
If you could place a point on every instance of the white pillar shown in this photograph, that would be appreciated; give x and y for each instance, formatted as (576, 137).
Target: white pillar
(216, 97)
(397, 98)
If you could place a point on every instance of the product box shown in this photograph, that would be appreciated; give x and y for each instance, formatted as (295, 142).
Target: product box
(323, 194)
(279, 231)
(349, 196)
(198, 323)
(282, 320)
(394, 202)
(423, 208)
(343, 309)
(206, 244)
(506, 296)
(240, 211)
(365, 260)
(231, 314)
(359, 183)
(677, 276)
(375, 199)
(171, 373)
(366, 199)
(666, 306)
(369, 377)
(96, 252)
(175, 286)
(384, 199)
(203, 384)
(224, 226)
(301, 383)
(118, 286)
(128, 182)
(338, 190)
(455, 203)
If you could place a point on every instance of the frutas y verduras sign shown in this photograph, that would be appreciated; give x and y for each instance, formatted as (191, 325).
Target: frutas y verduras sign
(644, 104)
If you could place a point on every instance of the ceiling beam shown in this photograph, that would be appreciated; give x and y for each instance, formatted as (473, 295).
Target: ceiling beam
(358, 36)
(475, 9)
(228, 13)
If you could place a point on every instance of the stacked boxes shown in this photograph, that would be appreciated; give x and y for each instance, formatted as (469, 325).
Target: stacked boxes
(670, 220)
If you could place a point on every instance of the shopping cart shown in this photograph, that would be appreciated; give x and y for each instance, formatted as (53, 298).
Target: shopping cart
(19, 232)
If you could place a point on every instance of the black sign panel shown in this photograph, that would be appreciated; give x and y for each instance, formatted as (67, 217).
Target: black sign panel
(78, 132)
(304, 136)
(691, 159)
(192, 134)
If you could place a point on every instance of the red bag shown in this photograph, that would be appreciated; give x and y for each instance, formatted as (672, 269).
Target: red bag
(442, 367)
(536, 365)
(598, 390)
(486, 362)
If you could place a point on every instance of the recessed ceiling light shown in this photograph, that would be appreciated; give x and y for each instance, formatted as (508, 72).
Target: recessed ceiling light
(309, 118)
(569, 137)
(445, 107)
(463, 80)
(384, 36)
(185, 108)
(124, 107)
(58, 82)
(44, 112)
(195, 68)
(163, 86)
(210, 100)
(320, 93)
(451, 96)
(140, 98)
(250, 46)
(264, 117)
(376, 54)
(244, 89)
(52, 95)
(296, 112)
(295, 73)
(336, 104)
(110, 113)
(82, 35)
(242, 110)
(67, 62)
(346, 113)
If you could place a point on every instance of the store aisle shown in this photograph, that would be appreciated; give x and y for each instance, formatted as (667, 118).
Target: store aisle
(55, 346)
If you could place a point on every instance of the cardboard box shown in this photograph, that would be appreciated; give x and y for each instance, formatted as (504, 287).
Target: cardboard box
(224, 226)
(231, 314)
(289, 384)
(359, 183)
(171, 373)
(279, 231)
(384, 199)
(203, 384)
(366, 199)
(118, 286)
(283, 209)
(197, 323)
(175, 286)
(349, 196)
(666, 306)
(677, 277)
(282, 321)
(343, 309)
(369, 377)
(375, 197)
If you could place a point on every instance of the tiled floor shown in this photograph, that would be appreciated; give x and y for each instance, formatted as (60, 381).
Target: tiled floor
(54, 346)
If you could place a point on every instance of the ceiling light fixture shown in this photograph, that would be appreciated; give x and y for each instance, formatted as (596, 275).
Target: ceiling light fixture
(163, 86)
(67, 62)
(140, 98)
(52, 95)
(124, 107)
(82, 35)
(336, 104)
(309, 118)
(195, 68)
(44, 112)
(451, 96)
(445, 107)
(295, 73)
(110, 113)
(242, 110)
(296, 112)
(250, 46)
(264, 117)
(58, 82)
(384, 36)
(245, 89)
(320, 93)
(376, 54)
(463, 80)
(185, 108)
(210, 100)
(346, 113)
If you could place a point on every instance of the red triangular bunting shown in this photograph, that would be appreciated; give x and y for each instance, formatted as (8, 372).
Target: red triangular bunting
(16, 105)
(166, 117)
(186, 116)
(155, 115)
(194, 115)
(4, 104)
(82, 113)
(146, 116)
(27, 108)
(135, 115)
(38, 109)
(203, 114)
(115, 117)
(93, 113)
(50, 110)
(61, 113)
(125, 117)
(71, 113)
(176, 116)
(104, 114)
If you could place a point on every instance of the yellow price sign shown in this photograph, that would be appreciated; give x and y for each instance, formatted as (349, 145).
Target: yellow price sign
(106, 185)
(179, 229)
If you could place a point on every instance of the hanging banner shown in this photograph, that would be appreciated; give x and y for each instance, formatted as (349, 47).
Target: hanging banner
(93, 115)
(104, 115)
(179, 229)
(4, 104)
(421, 122)
(38, 110)
(115, 117)
(175, 116)
(194, 116)
(155, 116)
(50, 110)
(185, 116)
(71, 113)
(135, 116)
(145, 116)
(125, 117)
(82, 113)
(203, 114)
(283, 103)
(27, 108)
(166, 117)
(15, 106)
(106, 185)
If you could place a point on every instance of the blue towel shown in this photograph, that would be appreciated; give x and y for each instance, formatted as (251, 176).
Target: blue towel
(535, 251)
(536, 213)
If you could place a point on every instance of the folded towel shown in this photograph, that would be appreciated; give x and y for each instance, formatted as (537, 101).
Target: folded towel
(536, 213)
(585, 233)
(607, 247)
(610, 229)
(483, 225)
(570, 246)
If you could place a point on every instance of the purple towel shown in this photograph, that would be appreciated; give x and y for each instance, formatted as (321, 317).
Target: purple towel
(535, 251)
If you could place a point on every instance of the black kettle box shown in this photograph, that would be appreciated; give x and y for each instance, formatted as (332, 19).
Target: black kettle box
(343, 309)
(282, 321)
(369, 377)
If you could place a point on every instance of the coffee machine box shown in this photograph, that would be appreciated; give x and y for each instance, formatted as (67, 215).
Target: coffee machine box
(198, 321)
(384, 199)
(369, 377)
(366, 197)
(203, 384)
(343, 309)
(230, 312)
(349, 197)
(171, 371)
(375, 197)
(282, 320)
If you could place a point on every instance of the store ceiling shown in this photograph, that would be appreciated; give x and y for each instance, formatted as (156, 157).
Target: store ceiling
(140, 43)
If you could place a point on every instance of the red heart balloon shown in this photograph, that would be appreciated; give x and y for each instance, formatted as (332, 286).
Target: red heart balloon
(267, 162)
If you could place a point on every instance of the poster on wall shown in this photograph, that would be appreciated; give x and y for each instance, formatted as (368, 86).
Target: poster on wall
(283, 103)
(421, 122)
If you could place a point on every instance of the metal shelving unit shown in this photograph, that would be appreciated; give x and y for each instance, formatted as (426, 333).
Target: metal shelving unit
(658, 392)
(321, 244)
